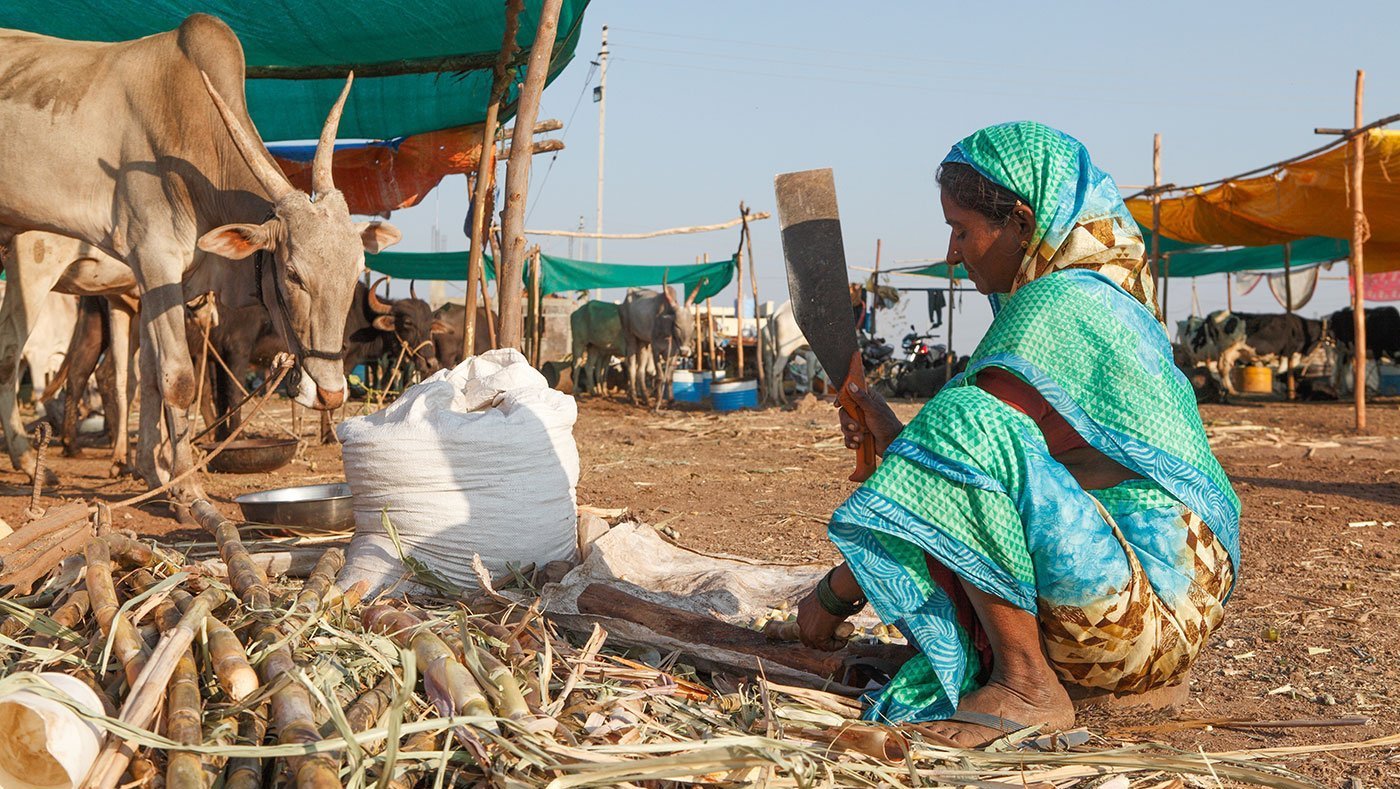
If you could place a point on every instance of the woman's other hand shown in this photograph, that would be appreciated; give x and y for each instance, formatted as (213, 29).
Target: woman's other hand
(879, 417)
(817, 626)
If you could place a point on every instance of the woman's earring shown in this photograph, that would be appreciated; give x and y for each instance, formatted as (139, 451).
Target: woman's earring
(1025, 245)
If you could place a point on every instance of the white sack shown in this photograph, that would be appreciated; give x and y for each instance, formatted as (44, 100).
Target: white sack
(43, 743)
(476, 460)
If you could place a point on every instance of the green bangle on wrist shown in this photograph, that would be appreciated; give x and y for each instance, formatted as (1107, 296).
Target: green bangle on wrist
(832, 603)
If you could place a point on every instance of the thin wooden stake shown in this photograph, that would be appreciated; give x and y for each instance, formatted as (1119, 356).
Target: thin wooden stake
(511, 258)
(485, 173)
(753, 284)
(1157, 220)
(1288, 308)
(1359, 231)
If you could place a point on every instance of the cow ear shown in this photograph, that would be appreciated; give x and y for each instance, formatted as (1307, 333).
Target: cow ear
(384, 323)
(237, 242)
(377, 236)
(440, 327)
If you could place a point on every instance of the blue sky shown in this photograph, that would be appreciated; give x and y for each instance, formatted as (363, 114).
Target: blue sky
(707, 101)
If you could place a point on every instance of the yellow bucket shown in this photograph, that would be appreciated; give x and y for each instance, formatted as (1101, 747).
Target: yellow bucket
(1259, 379)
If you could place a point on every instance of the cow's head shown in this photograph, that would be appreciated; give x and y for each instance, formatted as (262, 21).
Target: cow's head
(410, 322)
(674, 328)
(310, 253)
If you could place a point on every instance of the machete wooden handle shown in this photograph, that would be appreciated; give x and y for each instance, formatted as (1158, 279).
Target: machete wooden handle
(865, 455)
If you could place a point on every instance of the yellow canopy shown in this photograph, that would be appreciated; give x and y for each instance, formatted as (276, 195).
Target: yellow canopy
(1301, 199)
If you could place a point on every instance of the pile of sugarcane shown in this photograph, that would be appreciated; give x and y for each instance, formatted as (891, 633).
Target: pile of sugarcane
(213, 673)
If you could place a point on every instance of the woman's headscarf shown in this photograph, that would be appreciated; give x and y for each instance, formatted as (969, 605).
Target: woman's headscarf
(1081, 221)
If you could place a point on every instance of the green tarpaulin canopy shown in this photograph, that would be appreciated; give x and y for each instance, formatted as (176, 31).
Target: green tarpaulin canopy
(1302, 254)
(1191, 260)
(348, 33)
(562, 275)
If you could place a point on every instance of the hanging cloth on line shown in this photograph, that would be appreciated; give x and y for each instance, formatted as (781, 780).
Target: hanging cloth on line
(937, 302)
(1303, 285)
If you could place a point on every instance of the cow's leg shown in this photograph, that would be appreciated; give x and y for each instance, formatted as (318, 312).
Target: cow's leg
(29, 280)
(84, 352)
(150, 466)
(120, 315)
(163, 318)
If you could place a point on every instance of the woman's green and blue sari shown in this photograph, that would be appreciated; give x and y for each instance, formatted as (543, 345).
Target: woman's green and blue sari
(1126, 582)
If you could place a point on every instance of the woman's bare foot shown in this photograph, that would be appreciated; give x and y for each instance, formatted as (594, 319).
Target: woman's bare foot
(1030, 702)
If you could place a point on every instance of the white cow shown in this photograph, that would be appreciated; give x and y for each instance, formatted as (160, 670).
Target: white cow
(145, 149)
(781, 340)
(48, 341)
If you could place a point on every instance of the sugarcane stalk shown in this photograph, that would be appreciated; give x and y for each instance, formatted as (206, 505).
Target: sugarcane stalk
(447, 682)
(291, 711)
(246, 772)
(222, 733)
(493, 675)
(367, 709)
(102, 595)
(146, 692)
(183, 717)
(321, 580)
(134, 553)
(421, 742)
(248, 580)
(230, 662)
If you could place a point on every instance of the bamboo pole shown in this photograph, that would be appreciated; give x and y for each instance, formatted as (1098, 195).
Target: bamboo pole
(952, 355)
(1157, 220)
(1288, 309)
(875, 282)
(536, 308)
(699, 338)
(739, 309)
(756, 216)
(753, 284)
(715, 366)
(511, 258)
(1229, 293)
(485, 173)
(1359, 231)
(1166, 285)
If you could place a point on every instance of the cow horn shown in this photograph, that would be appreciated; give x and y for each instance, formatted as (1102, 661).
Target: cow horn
(268, 174)
(375, 304)
(322, 181)
(412, 293)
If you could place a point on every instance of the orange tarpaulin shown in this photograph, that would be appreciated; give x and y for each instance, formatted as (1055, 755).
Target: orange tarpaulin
(1300, 199)
(385, 176)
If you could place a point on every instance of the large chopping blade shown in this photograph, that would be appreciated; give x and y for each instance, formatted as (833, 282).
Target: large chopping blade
(821, 298)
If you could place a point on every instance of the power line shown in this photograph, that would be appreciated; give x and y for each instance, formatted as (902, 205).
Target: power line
(587, 80)
(924, 88)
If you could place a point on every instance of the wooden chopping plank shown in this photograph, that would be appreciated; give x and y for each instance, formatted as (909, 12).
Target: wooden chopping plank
(39, 559)
(604, 600)
(54, 520)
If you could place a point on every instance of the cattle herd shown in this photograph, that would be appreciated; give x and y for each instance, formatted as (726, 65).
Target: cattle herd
(1209, 348)
(141, 214)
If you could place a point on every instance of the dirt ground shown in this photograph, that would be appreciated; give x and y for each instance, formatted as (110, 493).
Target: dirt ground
(1310, 634)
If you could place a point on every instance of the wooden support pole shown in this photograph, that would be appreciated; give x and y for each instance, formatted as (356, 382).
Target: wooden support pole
(710, 319)
(1166, 286)
(482, 190)
(1157, 220)
(952, 355)
(753, 284)
(739, 308)
(699, 337)
(875, 280)
(537, 292)
(1288, 308)
(1229, 293)
(510, 260)
(1359, 231)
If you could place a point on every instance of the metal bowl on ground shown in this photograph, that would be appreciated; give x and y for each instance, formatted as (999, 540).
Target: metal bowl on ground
(252, 455)
(305, 510)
